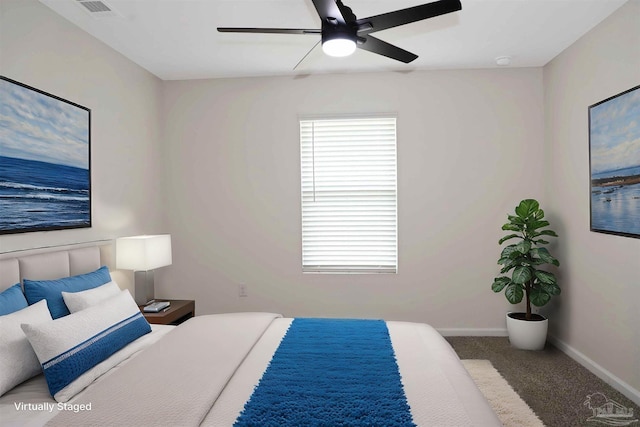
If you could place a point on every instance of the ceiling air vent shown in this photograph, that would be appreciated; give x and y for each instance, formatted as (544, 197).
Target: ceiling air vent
(97, 8)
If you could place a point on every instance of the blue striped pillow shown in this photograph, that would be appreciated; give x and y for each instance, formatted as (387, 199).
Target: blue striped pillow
(70, 346)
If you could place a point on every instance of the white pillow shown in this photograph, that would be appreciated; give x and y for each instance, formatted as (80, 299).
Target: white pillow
(18, 362)
(76, 301)
(69, 346)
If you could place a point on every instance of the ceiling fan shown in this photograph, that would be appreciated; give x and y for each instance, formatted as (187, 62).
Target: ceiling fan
(342, 32)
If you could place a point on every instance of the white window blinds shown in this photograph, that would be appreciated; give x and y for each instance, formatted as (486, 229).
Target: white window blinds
(349, 222)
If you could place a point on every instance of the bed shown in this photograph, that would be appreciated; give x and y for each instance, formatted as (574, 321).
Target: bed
(215, 370)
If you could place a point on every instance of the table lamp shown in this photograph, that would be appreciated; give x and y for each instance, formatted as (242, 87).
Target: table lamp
(143, 254)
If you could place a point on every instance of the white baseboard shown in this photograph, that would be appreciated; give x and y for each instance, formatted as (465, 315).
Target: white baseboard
(468, 332)
(597, 370)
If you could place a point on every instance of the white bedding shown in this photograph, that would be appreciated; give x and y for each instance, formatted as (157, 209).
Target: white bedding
(211, 364)
(439, 390)
(30, 403)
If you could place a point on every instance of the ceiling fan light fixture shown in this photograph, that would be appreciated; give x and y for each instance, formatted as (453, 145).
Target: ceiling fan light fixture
(339, 47)
(338, 42)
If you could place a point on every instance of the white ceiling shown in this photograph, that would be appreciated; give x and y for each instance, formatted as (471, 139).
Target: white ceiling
(177, 39)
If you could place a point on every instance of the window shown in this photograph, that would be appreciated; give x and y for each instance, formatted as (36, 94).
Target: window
(349, 195)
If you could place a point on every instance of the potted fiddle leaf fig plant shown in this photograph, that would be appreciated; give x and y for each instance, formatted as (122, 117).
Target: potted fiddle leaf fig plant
(523, 274)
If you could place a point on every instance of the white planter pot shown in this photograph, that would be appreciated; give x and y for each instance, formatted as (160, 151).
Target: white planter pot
(527, 334)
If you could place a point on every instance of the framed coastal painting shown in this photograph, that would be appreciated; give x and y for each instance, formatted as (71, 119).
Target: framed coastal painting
(45, 158)
(614, 156)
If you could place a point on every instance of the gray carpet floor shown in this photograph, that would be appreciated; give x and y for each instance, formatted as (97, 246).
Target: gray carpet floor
(553, 385)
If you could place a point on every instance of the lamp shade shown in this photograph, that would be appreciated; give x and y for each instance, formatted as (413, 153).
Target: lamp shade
(143, 253)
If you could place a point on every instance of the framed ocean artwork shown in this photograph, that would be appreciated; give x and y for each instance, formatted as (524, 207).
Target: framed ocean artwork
(614, 156)
(45, 159)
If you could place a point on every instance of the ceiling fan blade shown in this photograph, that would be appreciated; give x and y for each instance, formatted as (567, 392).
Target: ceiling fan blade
(406, 16)
(269, 30)
(374, 45)
(329, 12)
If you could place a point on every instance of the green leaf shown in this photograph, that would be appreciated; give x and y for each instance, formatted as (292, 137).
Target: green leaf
(539, 214)
(499, 283)
(515, 219)
(524, 246)
(514, 293)
(505, 238)
(545, 277)
(521, 275)
(539, 297)
(537, 261)
(504, 260)
(512, 227)
(544, 255)
(551, 289)
(547, 233)
(509, 256)
(517, 255)
(534, 225)
(501, 261)
(527, 207)
(507, 251)
(508, 266)
(540, 242)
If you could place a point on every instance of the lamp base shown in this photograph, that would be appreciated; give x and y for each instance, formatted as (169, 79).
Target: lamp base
(143, 284)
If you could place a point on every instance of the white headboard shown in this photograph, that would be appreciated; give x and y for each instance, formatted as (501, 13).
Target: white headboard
(53, 263)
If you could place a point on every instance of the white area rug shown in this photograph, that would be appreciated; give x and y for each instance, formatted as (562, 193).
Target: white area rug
(510, 408)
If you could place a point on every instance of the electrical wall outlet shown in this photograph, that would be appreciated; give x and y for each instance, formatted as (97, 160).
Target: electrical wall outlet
(242, 291)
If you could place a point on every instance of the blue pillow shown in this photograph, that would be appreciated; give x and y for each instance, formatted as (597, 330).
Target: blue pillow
(12, 300)
(51, 290)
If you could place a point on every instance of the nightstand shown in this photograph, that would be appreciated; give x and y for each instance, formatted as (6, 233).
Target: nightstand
(176, 313)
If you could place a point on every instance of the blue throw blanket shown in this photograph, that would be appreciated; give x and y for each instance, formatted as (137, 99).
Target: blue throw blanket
(330, 372)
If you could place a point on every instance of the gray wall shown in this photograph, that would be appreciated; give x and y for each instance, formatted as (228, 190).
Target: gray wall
(596, 320)
(233, 161)
(41, 49)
